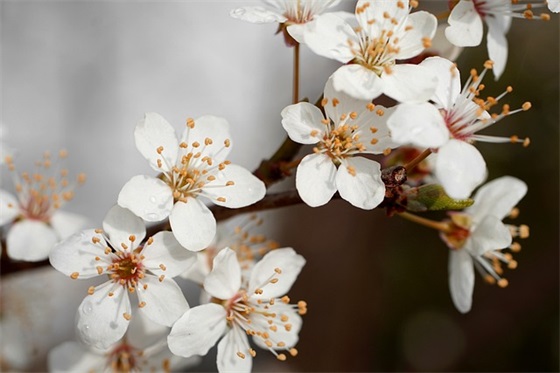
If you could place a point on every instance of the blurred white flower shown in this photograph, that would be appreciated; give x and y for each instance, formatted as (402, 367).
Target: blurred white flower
(351, 127)
(451, 124)
(238, 308)
(386, 33)
(143, 349)
(465, 25)
(192, 167)
(478, 235)
(37, 221)
(115, 252)
(239, 234)
(554, 5)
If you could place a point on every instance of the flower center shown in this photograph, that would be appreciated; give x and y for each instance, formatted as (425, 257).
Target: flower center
(40, 194)
(124, 358)
(459, 231)
(127, 268)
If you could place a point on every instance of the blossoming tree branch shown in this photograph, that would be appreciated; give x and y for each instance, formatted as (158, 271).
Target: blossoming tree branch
(414, 153)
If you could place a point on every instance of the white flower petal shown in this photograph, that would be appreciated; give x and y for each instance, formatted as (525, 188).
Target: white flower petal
(301, 120)
(418, 124)
(449, 81)
(73, 357)
(358, 82)
(461, 279)
(209, 127)
(192, 224)
(9, 207)
(224, 280)
(442, 47)
(315, 179)
(364, 188)
(152, 132)
(227, 359)
(287, 261)
(142, 333)
(488, 234)
(246, 189)
(460, 168)
(119, 224)
(329, 35)
(66, 223)
(166, 250)
(257, 14)
(297, 31)
(198, 330)
(409, 83)
(423, 26)
(554, 5)
(164, 300)
(498, 198)
(147, 197)
(101, 320)
(30, 240)
(77, 254)
(497, 44)
(465, 25)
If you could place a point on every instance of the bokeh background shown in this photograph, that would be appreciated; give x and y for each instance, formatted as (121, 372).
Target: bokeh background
(79, 75)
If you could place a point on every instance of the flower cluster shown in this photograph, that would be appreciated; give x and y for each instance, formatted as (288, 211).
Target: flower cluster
(391, 96)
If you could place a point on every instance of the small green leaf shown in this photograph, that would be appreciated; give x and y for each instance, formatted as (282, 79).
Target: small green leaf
(432, 197)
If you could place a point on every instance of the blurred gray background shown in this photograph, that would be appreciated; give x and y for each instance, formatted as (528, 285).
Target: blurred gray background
(80, 74)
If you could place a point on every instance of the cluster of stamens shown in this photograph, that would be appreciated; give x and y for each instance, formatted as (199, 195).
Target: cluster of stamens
(514, 9)
(377, 52)
(45, 190)
(123, 265)
(259, 318)
(124, 358)
(249, 247)
(342, 140)
(193, 170)
(490, 264)
(464, 119)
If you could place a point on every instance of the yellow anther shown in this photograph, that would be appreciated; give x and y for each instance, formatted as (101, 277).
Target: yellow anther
(503, 283)
(159, 149)
(91, 290)
(281, 357)
(74, 275)
(127, 316)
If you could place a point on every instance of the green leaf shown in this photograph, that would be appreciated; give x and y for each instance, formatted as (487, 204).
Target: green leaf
(432, 197)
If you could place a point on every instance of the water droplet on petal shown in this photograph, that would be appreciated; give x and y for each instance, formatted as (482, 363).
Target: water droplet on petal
(113, 325)
(153, 199)
(87, 308)
(152, 216)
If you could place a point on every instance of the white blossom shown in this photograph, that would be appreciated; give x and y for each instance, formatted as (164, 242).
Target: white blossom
(192, 167)
(478, 236)
(143, 349)
(292, 14)
(466, 25)
(450, 124)
(38, 222)
(238, 308)
(351, 127)
(116, 254)
(386, 32)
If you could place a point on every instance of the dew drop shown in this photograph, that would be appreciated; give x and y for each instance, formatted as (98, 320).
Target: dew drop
(87, 308)
(153, 199)
(113, 325)
(152, 216)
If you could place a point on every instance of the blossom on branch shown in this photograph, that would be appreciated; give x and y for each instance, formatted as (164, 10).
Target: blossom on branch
(143, 349)
(385, 33)
(116, 253)
(466, 28)
(242, 307)
(450, 124)
(478, 236)
(351, 127)
(38, 223)
(192, 167)
(291, 14)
